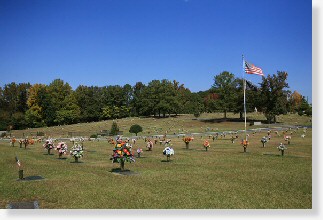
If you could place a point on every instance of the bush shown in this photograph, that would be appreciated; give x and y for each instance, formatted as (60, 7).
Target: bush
(40, 133)
(94, 136)
(114, 129)
(135, 129)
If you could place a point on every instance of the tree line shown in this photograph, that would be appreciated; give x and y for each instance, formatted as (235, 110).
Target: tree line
(24, 105)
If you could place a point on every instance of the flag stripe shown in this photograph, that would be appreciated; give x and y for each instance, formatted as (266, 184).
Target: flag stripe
(252, 69)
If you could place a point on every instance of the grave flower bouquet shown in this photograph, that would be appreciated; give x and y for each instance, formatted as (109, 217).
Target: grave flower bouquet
(287, 138)
(168, 151)
(121, 153)
(77, 152)
(206, 144)
(282, 148)
(264, 140)
(244, 144)
(48, 145)
(187, 141)
(139, 152)
(62, 148)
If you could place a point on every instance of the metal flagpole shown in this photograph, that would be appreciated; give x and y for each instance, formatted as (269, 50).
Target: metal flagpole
(244, 99)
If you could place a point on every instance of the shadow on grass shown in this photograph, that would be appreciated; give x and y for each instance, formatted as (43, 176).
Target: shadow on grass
(219, 120)
(31, 178)
(77, 162)
(49, 154)
(123, 172)
(165, 161)
(63, 158)
(279, 155)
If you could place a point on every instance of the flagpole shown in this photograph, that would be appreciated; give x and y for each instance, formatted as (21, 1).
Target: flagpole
(244, 99)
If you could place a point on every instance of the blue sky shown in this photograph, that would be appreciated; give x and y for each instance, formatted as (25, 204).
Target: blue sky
(115, 42)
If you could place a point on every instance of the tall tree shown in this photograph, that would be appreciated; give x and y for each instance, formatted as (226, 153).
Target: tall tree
(274, 95)
(225, 85)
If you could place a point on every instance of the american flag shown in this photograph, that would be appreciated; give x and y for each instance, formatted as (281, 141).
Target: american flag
(18, 162)
(252, 69)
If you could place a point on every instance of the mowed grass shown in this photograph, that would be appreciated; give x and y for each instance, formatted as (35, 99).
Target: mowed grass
(222, 178)
(179, 124)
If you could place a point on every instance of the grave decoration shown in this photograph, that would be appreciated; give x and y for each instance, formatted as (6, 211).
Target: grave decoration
(244, 144)
(303, 135)
(48, 145)
(21, 141)
(122, 153)
(282, 148)
(233, 138)
(139, 152)
(264, 140)
(150, 145)
(26, 142)
(187, 141)
(168, 151)
(77, 152)
(12, 142)
(61, 148)
(206, 144)
(287, 138)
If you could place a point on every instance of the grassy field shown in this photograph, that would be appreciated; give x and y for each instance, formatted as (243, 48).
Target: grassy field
(222, 178)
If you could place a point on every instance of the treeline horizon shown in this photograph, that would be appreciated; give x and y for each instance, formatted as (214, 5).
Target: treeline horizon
(25, 105)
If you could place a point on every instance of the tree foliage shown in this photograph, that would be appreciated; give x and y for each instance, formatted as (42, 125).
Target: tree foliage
(135, 129)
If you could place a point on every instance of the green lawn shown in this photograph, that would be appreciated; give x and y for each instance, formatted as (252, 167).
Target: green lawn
(222, 178)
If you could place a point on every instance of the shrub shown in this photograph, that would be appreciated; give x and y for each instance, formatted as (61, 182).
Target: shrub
(94, 136)
(135, 129)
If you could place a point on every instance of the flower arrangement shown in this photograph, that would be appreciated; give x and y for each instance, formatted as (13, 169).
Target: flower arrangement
(62, 149)
(303, 135)
(21, 141)
(77, 152)
(245, 144)
(287, 138)
(48, 145)
(264, 140)
(26, 142)
(121, 153)
(139, 152)
(31, 141)
(206, 144)
(282, 148)
(233, 138)
(187, 141)
(168, 151)
(12, 142)
(150, 145)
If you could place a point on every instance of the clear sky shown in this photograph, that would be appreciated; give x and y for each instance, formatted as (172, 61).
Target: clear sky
(115, 42)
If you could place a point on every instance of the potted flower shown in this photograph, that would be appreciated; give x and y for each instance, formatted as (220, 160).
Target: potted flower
(48, 145)
(168, 151)
(282, 148)
(61, 148)
(206, 144)
(121, 153)
(139, 152)
(264, 140)
(77, 152)
(244, 144)
(187, 141)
